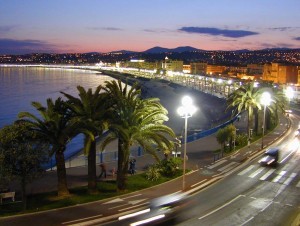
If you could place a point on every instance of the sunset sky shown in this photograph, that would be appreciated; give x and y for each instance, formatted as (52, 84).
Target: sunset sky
(69, 26)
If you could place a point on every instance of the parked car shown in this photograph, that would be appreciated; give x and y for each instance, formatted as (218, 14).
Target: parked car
(270, 157)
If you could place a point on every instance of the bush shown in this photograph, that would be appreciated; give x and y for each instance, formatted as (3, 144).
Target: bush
(153, 173)
(170, 167)
(241, 139)
(167, 168)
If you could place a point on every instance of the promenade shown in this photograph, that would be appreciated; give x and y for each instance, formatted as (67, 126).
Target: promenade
(205, 170)
(200, 157)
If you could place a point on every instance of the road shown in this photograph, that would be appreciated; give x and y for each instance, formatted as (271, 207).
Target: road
(247, 196)
(254, 195)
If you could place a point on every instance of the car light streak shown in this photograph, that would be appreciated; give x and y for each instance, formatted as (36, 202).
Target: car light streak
(134, 214)
(148, 220)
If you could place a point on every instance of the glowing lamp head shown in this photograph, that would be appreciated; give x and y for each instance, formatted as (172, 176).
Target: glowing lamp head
(187, 109)
(265, 99)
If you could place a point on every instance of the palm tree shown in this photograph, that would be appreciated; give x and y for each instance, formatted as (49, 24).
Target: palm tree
(55, 127)
(247, 97)
(279, 101)
(135, 121)
(89, 109)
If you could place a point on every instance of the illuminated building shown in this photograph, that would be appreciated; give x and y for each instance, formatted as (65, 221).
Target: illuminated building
(198, 68)
(215, 69)
(172, 65)
(280, 73)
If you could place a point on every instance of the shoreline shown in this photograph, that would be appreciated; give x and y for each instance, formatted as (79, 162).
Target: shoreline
(210, 109)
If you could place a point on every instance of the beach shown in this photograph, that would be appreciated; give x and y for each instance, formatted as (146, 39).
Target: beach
(210, 109)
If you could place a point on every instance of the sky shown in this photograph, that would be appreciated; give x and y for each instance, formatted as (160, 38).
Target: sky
(80, 26)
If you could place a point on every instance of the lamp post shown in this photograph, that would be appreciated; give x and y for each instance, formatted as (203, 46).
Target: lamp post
(289, 92)
(265, 100)
(185, 111)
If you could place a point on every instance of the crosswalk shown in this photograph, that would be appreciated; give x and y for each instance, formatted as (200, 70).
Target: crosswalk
(255, 171)
(273, 175)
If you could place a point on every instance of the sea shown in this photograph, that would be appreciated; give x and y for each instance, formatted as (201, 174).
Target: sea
(19, 86)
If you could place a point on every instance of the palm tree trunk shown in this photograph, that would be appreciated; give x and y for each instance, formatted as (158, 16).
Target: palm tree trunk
(92, 185)
(123, 160)
(23, 189)
(62, 187)
(248, 126)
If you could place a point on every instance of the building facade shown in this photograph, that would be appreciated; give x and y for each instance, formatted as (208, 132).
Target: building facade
(172, 65)
(279, 73)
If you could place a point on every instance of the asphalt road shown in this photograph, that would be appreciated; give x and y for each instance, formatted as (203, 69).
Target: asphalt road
(254, 195)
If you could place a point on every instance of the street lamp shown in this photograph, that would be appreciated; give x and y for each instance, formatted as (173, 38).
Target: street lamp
(289, 92)
(265, 100)
(185, 111)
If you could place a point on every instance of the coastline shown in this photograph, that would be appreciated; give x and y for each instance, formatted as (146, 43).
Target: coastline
(210, 109)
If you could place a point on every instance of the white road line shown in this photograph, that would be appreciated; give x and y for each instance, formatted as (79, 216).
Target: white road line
(270, 171)
(287, 156)
(228, 165)
(116, 207)
(254, 174)
(250, 219)
(128, 208)
(291, 177)
(217, 164)
(128, 197)
(221, 207)
(298, 185)
(198, 183)
(276, 179)
(82, 219)
(230, 168)
(246, 170)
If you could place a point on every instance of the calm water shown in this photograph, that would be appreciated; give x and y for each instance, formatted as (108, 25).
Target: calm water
(19, 86)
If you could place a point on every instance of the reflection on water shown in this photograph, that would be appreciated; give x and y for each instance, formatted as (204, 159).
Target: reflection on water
(19, 86)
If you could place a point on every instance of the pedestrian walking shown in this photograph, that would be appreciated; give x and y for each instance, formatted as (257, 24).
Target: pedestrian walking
(132, 166)
(103, 170)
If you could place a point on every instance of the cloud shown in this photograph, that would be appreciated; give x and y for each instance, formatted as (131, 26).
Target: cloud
(13, 46)
(276, 45)
(297, 38)
(149, 30)
(283, 28)
(105, 28)
(218, 32)
(6, 28)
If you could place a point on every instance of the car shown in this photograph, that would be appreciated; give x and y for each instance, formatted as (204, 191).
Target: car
(161, 211)
(270, 157)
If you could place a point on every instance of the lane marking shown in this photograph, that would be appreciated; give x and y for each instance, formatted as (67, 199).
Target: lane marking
(116, 207)
(228, 165)
(198, 183)
(113, 201)
(250, 219)
(246, 170)
(221, 207)
(266, 206)
(276, 179)
(267, 174)
(291, 177)
(287, 156)
(128, 197)
(258, 171)
(132, 207)
(82, 219)
(230, 168)
(217, 164)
